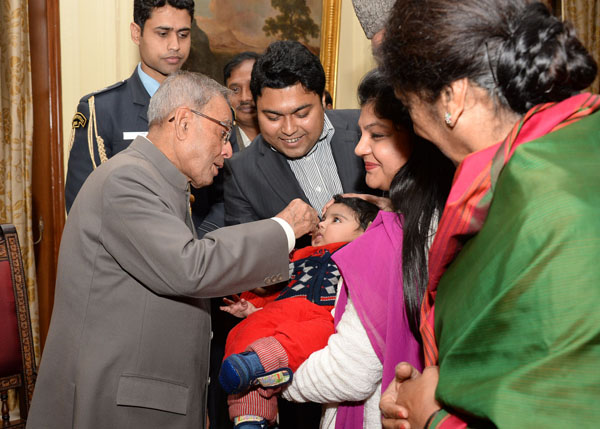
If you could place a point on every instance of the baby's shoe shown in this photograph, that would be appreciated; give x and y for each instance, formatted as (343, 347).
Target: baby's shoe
(241, 371)
(250, 422)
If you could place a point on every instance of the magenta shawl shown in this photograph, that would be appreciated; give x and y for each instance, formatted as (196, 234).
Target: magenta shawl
(371, 267)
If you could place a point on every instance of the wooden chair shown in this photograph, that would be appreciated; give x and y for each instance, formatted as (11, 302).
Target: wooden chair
(17, 360)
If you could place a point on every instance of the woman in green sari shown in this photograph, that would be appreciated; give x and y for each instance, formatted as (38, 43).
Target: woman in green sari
(511, 320)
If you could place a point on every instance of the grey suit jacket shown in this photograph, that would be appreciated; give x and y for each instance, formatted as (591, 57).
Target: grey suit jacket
(128, 345)
(259, 183)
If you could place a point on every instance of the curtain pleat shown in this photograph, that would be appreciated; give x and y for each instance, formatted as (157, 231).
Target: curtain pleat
(585, 16)
(16, 143)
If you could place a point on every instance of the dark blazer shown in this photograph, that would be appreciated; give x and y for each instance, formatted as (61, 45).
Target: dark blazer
(233, 139)
(259, 182)
(119, 108)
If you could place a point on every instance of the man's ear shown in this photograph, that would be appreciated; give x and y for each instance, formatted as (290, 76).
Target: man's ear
(136, 33)
(182, 122)
(453, 99)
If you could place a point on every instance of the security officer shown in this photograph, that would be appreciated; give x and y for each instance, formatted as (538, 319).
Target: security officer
(108, 120)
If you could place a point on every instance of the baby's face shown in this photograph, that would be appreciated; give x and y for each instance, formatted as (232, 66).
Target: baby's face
(338, 225)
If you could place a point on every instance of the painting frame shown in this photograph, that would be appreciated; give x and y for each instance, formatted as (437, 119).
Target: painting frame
(205, 59)
(330, 42)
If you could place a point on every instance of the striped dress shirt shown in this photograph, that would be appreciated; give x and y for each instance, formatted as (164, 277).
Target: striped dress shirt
(316, 171)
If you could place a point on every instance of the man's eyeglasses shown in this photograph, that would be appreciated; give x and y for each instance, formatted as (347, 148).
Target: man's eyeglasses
(227, 126)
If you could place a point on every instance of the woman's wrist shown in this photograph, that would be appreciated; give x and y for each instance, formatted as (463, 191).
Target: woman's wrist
(431, 417)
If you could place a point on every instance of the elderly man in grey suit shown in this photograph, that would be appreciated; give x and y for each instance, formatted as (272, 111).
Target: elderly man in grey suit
(129, 339)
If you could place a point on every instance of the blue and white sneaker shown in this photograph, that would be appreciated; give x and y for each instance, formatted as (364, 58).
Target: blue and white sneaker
(241, 371)
(250, 422)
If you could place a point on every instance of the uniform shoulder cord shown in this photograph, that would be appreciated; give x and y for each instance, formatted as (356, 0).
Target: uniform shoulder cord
(93, 130)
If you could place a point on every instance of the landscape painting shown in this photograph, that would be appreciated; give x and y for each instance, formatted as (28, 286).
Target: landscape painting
(224, 28)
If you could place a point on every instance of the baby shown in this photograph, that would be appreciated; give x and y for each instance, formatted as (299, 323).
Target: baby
(263, 350)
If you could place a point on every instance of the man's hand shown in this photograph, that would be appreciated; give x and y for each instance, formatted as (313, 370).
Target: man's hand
(409, 400)
(302, 218)
(238, 307)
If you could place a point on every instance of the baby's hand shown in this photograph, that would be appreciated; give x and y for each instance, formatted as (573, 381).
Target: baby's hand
(238, 307)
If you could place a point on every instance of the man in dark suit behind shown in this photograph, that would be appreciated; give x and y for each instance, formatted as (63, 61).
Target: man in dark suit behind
(302, 152)
(236, 76)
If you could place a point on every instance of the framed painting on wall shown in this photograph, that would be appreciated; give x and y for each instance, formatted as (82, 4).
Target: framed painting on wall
(224, 28)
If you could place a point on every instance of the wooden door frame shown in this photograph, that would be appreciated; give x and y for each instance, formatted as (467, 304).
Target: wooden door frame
(48, 202)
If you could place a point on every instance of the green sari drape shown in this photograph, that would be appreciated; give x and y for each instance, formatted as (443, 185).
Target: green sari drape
(517, 317)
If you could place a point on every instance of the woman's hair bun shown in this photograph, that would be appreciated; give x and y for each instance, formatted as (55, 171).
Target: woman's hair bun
(541, 60)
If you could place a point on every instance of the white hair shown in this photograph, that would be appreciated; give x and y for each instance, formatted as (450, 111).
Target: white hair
(183, 88)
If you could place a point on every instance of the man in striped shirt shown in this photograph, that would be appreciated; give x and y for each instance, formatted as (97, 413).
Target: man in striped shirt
(302, 151)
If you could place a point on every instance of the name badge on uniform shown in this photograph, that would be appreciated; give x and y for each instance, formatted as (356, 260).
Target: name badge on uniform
(131, 135)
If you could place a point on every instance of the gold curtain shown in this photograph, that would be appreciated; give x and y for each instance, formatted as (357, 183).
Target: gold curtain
(16, 131)
(585, 16)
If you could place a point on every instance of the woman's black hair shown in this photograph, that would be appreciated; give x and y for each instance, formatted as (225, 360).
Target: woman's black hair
(418, 192)
(374, 88)
(515, 49)
(364, 211)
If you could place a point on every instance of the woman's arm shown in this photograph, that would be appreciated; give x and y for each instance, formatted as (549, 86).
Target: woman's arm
(346, 370)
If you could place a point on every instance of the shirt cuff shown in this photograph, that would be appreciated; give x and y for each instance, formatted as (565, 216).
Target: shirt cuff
(289, 232)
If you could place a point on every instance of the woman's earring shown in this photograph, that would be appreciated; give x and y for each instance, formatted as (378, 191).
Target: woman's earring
(448, 119)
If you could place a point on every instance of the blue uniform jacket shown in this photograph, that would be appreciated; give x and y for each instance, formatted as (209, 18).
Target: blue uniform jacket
(120, 112)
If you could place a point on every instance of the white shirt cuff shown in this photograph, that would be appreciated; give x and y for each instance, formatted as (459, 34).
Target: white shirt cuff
(289, 232)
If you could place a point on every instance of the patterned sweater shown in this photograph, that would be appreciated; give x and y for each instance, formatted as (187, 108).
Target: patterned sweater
(313, 275)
